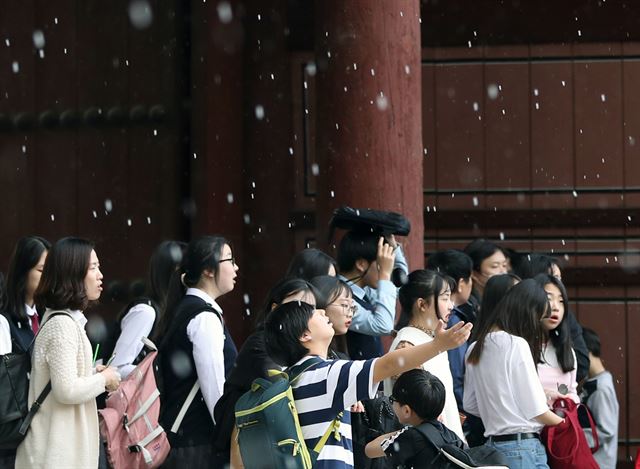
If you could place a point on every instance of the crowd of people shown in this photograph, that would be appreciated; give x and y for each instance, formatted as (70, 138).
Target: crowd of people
(512, 348)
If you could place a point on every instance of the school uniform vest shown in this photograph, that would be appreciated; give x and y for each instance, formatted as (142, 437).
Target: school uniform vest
(362, 346)
(179, 375)
(21, 336)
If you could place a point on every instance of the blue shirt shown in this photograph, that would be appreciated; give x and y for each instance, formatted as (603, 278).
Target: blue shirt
(456, 360)
(381, 321)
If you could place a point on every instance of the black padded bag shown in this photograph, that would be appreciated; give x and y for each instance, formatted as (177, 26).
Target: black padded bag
(369, 221)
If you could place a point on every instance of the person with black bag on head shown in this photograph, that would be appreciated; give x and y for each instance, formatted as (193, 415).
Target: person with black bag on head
(366, 262)
(196, 350)
(64, 432)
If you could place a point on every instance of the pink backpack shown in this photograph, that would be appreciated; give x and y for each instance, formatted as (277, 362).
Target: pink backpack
(129, 423)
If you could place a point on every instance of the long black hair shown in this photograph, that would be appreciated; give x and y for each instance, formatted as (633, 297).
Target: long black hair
(310, 263)
(201, 254)
(423, 283)
(164, 261)
(560, 337)
(25, 257)
(519, 313)
(495, 289)
(279, 292)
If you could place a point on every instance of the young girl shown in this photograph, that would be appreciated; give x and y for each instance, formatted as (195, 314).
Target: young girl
(501, 383)
(197, 351)
(253, 362)
(64, 432)
(335, 297)
(426, 300)
(139, 318)
(23, 277)
(557, 367)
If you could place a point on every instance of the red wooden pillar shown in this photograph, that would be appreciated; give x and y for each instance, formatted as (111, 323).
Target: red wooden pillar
(215, 159)
(369, 116)
(268, 165)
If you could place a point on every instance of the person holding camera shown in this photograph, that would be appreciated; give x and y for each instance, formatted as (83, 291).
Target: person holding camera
(367, 261)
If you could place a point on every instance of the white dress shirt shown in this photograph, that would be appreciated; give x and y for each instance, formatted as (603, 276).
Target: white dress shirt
(31, 311)
(5, 336)
(206, 333)
(136, 324)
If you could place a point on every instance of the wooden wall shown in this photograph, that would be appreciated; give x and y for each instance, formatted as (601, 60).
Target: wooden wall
(110, 169)
(537, 147)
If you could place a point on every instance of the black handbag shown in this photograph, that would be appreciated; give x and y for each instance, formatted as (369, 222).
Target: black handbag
(369, 221)
(15, 415)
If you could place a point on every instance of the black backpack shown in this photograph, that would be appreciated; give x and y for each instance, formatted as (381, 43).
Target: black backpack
(15, 415)
(452, 457)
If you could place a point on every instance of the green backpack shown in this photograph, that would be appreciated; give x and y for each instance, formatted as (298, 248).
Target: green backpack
(269, 433)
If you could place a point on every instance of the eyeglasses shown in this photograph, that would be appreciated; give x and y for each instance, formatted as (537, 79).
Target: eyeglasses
(349, 311)
(231, 259)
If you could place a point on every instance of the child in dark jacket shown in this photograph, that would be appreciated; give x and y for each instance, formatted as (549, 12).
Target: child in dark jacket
(418, 400)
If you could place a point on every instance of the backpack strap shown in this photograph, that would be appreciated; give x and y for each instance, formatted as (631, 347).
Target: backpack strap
(47, 389)
(294, 374)
(434, 438)
(13, 330)
(185, 406)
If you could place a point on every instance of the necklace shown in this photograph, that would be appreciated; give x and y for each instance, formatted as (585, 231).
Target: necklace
(429, 332)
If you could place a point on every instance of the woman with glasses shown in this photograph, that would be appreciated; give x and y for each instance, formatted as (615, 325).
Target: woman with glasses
(335, 297)
(425, 300)
(196, 349)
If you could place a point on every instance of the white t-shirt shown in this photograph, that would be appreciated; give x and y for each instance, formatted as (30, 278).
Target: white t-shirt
(503, 389)
(439, 367)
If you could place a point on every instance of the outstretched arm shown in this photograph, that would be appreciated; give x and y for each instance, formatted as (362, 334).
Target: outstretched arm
(399, 361)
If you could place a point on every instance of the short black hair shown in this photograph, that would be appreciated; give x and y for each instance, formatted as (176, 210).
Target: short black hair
(480, 249)
(282, 331)
(356, 245)
(592, 340)
(421, 391)
(532, 264)
(456, 264)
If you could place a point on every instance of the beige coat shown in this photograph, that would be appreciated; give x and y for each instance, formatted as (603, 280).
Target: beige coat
(64, 433)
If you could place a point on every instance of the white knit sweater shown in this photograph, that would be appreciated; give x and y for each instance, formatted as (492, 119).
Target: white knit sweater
(64, 433)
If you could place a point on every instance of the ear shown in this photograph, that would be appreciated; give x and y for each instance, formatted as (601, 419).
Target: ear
(306, 337)
(208, 273)
(361, 265)
(459, 285)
